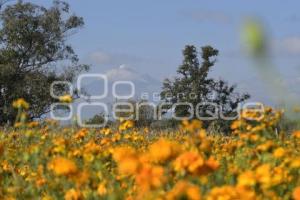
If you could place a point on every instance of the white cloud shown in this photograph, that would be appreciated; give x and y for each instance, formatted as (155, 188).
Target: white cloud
(126, 73)
(123, 73)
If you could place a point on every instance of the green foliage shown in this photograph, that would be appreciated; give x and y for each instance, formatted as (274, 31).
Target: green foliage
(192, 85)
(34, 53)
(96, 120)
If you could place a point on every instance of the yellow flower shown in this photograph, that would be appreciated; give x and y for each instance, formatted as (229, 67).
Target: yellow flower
(18, 124)
(263, 175)
(33, 124)
(295, 163)
(279, 152)
(296, 134)
(126, 125)
(127, 159)
(279, 175)
(120, 153)
(189, 161)
(150, 177)
(88, 157)
(106, 131)
(62, 166)
(265, 146)
(6, 166)
(21, 103)
(66, 99)
(73, 194)
(101, 190)
(247, 179)
(184, 190)
(47, 197)
(236, 124)
(81, 134)
(163, 150)
(231, 193)
(194, 163)
(192, 126)
(211, 164)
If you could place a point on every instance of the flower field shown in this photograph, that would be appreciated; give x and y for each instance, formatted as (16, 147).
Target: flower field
(52, 162)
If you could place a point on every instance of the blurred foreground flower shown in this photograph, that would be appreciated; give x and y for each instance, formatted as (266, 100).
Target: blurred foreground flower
(62, 166)
(253, 36)
(296, 193)
(184, 190)
(73, 194)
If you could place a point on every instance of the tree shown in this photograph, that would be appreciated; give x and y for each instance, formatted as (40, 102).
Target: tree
(228, 99)
(192, 85)
(97, 119)
(34, 53)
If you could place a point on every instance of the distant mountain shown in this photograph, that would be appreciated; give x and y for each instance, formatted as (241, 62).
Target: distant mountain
(143, 83)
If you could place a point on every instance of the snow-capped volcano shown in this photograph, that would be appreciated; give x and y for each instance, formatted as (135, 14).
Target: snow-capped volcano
(125, 73)
(143, 83)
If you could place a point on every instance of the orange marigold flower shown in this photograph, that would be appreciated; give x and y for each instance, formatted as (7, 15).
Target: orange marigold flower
(194, 163)
(101, 190)
(81, 134)
(189, 162)
(295, 163)
(263, 175)
(265, 146)
(73, 194)
(81, 178)
(296, 193)
(296, 134)
(191, 126)
(62, 166)
(247, 179)
(279, 152)
(212, 164)
(184, 190)
(163, 150)
(150, 177)
(231, 192)
(127, 159)
(236, 124)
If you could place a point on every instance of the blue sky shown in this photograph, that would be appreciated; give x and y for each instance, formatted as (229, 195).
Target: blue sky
(149, 36)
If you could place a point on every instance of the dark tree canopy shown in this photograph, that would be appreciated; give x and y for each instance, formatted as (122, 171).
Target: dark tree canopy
(33, 53)
(193, 79)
